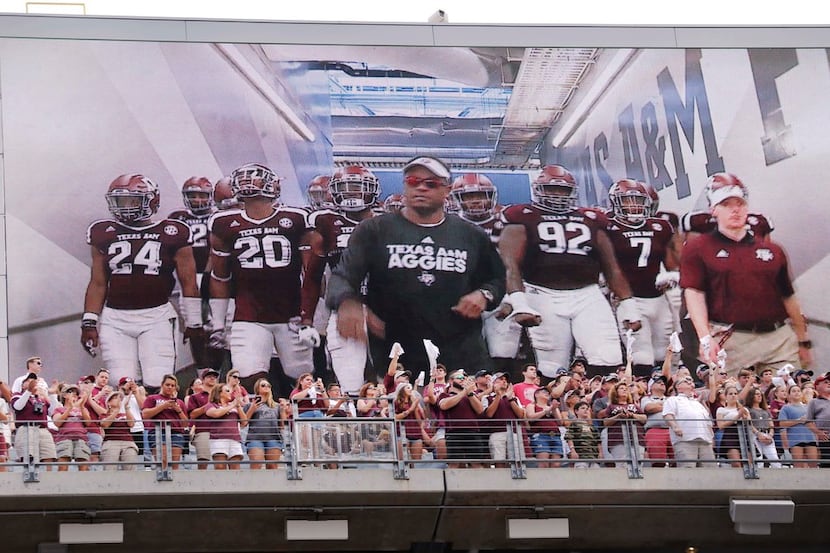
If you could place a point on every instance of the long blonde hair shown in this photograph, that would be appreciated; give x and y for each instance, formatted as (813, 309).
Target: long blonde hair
(267, 399)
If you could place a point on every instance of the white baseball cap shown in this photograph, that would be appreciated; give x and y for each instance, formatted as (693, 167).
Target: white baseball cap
(432, 164)
(722, 186)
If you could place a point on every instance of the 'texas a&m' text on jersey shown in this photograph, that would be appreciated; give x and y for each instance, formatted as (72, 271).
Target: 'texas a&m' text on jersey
(140, 260)
(558, 244)
(264, 260)
(639, 250)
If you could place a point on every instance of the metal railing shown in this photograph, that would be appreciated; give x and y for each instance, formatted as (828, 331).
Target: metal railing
(357, 442)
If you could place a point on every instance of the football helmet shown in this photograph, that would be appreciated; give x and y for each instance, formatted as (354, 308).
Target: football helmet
(393, 203)
(554, 189)
(655, 200)
(254, 180)
(354, 188)
(132, 198)
(451, 204)
(475, 194)
(319, 192)
(223, 195)
(630, 200)
(721, 186)
(197, 194)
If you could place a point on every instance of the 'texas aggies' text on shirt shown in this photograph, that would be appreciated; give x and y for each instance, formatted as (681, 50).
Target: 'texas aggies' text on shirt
(426, 256)
(140, 260)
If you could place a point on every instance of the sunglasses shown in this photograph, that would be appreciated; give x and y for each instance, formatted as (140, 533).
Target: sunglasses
(430, 183)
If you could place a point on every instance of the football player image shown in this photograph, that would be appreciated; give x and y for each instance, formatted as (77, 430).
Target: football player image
(258, 253)
(738, 289)
(642, 244)
(477, 199)
(354, 192)
(554, 253)
(223, 196)
(430, 276)
(319, 193)
(197, 196)
(393, 203)
(126, 308)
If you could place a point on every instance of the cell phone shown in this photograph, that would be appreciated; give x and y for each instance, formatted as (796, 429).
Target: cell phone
(258, 399)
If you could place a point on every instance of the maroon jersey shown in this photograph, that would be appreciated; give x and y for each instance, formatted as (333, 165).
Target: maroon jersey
(703, 222)
(639, 251)
(140, 260)
(199, 230)
(492, 225)
(265, 262)
(335, 228)
(745, 282)
(558, 243)
(670, 217)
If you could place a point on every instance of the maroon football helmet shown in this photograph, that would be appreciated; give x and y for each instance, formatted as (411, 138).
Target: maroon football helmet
(197, 194)
(554, 189)
(393, 203)
(630, 200)
(475, 194)
(354, 188)
(223, 195)
(254, 180)
(133, 198)
(319, 192)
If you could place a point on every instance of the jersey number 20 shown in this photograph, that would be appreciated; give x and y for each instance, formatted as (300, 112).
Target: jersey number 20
(272, 251)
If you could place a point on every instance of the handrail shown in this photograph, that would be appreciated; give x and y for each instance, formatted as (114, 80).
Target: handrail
(355, 442)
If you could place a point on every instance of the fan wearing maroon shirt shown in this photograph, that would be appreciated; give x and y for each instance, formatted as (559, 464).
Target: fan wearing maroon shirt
(162, 411)
(354, 191)
(738, 289)
(261, 252)
(127, 305)
(554, 253)
(197, 406)
(31, 406)
(502, 406)
(642, 245)
(462, 408)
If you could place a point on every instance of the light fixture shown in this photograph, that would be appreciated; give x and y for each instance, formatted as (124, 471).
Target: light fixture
(598, 88)
(537, 528)
(239, 62)
(99, 532)
(754, 516)
(315, 530)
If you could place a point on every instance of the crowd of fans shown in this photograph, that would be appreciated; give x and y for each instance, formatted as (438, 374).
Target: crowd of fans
(464, 420)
